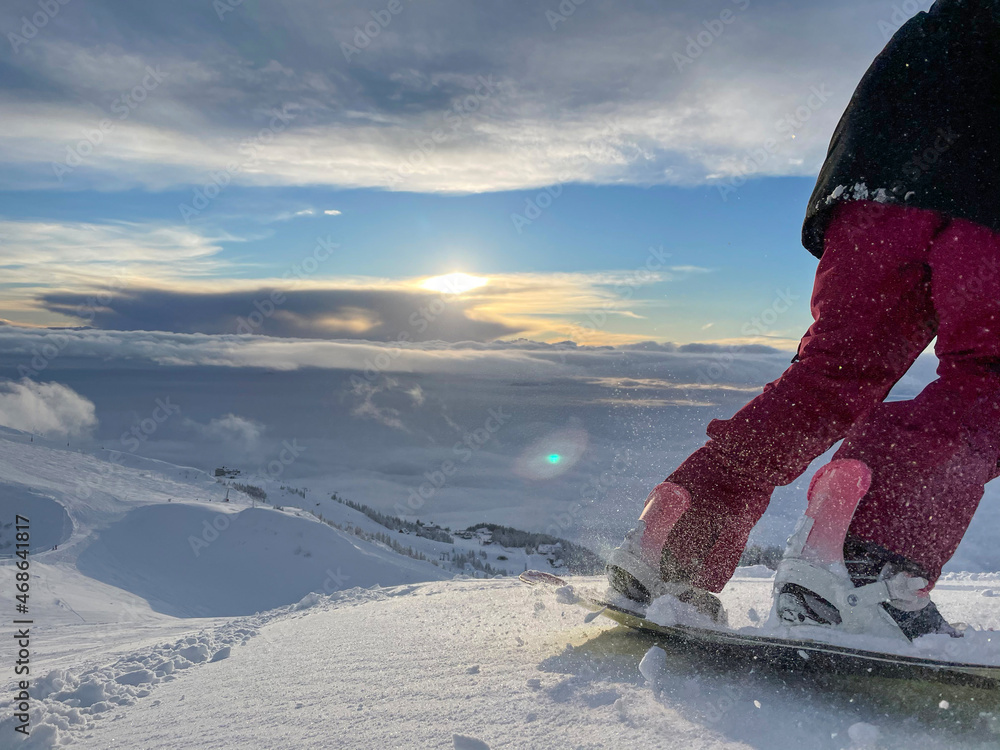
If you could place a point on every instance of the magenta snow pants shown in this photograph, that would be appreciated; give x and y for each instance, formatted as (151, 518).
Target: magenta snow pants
(890, 279)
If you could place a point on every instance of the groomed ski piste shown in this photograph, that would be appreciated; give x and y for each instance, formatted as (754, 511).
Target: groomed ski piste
(166, 618)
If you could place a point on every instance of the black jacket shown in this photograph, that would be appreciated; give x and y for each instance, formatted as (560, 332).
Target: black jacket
(923, 127)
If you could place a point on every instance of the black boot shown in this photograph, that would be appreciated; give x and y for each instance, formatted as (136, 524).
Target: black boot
(868, 562)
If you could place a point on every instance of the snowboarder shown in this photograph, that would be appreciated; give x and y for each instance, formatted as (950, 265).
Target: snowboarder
(904, 219)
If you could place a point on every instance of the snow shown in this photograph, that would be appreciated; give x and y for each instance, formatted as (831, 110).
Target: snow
(284, 632)
(861, 191)
(836, 194)
(192, 560)
(863, 735)
(439, 663)
(54, 524)
(469, 743)
(653, 665)
(669, 611)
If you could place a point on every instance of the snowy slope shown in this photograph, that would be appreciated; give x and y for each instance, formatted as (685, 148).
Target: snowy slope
(439, 665)
(510, 561)
(167, 618)
(192, 560)
(161, 533)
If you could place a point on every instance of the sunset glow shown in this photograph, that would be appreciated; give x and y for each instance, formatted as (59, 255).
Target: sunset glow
(454, 283)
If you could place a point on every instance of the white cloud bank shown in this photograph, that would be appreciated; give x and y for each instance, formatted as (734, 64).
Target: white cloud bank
(99, 259)
(602, 97)
(49, 409)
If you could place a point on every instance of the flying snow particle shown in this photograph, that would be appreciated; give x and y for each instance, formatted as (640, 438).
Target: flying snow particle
(862, 734)
(462, 742)
(653, 664)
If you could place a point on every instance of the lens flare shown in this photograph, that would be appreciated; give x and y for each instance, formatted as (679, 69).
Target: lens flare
(552, 455)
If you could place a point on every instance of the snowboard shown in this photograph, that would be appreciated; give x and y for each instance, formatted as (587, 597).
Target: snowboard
(728, 646)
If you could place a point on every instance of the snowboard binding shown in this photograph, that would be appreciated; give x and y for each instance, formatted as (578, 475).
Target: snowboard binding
(642, 568)
(814, 586)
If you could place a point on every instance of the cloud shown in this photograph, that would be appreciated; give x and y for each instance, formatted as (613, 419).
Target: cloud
(366, 393)
(495, 360)
(154, 276)
(332, 212)
(582, 306)
(432, 105)
(235, 432)
(48, 409)
(98, 258)
(155, 248)
(287, 215)
(379, 315)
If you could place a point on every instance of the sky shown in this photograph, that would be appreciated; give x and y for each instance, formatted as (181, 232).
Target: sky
(344, 243)
(641, 163)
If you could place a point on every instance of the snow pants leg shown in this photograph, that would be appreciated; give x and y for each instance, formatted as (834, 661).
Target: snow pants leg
(891, 278)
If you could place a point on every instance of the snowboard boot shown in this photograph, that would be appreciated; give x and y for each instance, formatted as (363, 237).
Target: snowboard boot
(872, 591)
(868, 562)
(912, 611)
(643, 569)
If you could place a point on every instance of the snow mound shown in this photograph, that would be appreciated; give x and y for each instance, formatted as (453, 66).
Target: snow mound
(50, 524)
(190, 560)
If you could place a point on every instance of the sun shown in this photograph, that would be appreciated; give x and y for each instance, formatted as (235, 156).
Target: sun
(454, 283)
